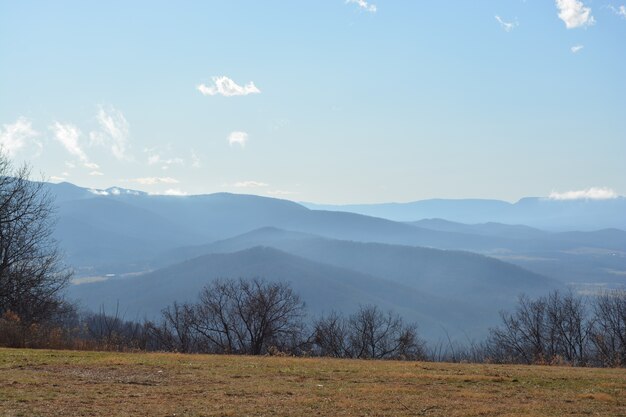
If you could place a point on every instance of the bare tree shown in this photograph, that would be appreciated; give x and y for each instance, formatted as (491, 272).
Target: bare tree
(568, 328)
(269, 314)
(236, 316)
(376, 335)
(113, 332)
(367, 334)
(609, 332)
(552, 328)
(32, 276)
(214, 318)
(330, 336)
(176, 331)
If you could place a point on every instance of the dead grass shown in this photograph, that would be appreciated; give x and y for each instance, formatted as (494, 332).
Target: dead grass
(53, 383)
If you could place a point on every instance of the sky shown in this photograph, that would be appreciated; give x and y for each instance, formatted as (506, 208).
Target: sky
(331, 101)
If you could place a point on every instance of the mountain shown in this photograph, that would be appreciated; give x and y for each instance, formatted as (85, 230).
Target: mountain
(483, 229)
(336, 260)
(450, 274)
(541, 213)
(120, 231)
(122, 221)
(323, 287)
(109, 234)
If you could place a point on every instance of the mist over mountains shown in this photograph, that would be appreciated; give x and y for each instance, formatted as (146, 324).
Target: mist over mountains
(538, 212)
(145, 251)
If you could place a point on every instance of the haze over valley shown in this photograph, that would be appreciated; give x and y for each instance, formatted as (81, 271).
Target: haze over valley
(138, 253)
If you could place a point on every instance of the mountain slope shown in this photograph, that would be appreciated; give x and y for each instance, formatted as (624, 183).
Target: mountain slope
(323, 287)
(100, 233)
(450, 274)
(117, 230)
(484, 229)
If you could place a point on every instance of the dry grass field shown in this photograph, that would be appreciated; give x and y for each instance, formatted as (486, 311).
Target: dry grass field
(64, 383)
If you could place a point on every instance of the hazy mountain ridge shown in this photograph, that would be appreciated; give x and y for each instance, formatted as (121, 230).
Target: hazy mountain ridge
(453, 273)
(323, 287)
(360, 258)
(167, 222)
(538, 212)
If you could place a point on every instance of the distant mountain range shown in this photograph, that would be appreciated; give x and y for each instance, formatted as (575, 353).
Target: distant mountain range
(543, 213)
(119, 230)
(433, 295)
(148, 250)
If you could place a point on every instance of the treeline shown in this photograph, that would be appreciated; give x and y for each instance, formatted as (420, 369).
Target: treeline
(255, 317)
(563, 328)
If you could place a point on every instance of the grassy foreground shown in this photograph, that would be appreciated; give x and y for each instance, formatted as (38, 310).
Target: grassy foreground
(54, 383)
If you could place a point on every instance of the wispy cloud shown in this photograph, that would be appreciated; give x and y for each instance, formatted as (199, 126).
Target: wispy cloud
(278, 193)
(507, 26)
(15, 136)
(114, 133)
(195, 160)
(363, 5)
(226, 87)
(576, 48)
(593, 193)
(250, 184)
(68, 135)
(574, 13)
(238, 138)
(155, 157)
(153, 180)
(620, 11)
(96, 173)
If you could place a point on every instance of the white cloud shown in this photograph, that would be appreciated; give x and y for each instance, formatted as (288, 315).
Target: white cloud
(620, 11)
(155, 158)
(239, 138)
(173, 192)
(153, 180)
(91, 165)
(226, 87)
(55, 178)
(593, 193)
(68, 135)
(576, 48)
(363, 5)
(98, 192)
(115, 132)
(96, 173)
(250, 184)
(507, 26)
(574, 13)
(14, 137)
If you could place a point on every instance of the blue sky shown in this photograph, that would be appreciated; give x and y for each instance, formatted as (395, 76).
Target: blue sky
(327, 101)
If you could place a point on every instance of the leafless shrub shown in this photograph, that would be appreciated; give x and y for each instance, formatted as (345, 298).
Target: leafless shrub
(367, 334)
